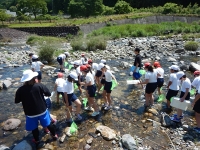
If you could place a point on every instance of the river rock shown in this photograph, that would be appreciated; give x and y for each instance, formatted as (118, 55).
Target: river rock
(6, 84)
(11, 124)
(87, 147)
(124, 64)
(89, 141)
(153, 111)
(129, 142)
(1, 85)
(24, 145)
(180, 51)
(193, 67)
(171, 59)
(106, 132)
(3, 147)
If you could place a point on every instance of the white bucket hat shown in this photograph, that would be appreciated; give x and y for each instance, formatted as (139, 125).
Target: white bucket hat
(28, 75)
(107, 67)
(35, 57)
(103, 61)
(180, 74)
(74, 76)
(101, 65)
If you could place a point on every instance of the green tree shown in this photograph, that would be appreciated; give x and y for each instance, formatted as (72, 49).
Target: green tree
(170, 8)
(13, 8)
(34, 7)
(122, 7)
(3, 16)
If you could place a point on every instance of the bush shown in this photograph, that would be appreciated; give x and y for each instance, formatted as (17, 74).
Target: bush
(122, 7)
(170, 8)
(191, 46)
(58, 52)
(108, 10)
(46, 53)
(96, 43)
(78, 44)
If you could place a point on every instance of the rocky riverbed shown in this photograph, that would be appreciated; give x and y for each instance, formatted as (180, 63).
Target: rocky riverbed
(126, 126)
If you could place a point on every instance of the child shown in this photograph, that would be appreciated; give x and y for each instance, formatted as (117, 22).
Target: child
(98, 75)
(71, 97)
(91, 89)
(94, 65)
(61, 60)
(151, 84)
(173, 85)
(84, 60)
(160, 79)
(79, 74)
(91, 71)
(37, 66)
(185, 94)
(196, 81)
(107, 87)
(59, 85)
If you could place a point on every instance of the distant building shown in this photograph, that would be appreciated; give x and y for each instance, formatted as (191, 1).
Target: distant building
(13, 14)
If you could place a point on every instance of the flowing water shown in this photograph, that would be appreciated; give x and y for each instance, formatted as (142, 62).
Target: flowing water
(126, 117)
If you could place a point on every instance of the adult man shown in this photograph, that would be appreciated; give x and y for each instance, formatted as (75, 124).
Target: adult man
(137, 63)
(31, 94)
(61, 60)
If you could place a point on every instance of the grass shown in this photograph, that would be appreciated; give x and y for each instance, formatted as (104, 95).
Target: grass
(141, 30)
(77, 21)
(42, 40)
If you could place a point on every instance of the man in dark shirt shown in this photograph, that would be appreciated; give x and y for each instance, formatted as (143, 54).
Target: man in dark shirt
(31, 94)
(137, 64)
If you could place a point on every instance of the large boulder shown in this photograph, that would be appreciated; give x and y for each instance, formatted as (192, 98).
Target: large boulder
(106, 132)
(6, 84)
(24, 145)
(11, 124)
(193, 67)
(129, 142)
(171, 59)
(124, 64)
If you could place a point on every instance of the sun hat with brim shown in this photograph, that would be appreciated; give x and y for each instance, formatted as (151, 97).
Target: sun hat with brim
(66, 53)
(28, 75)
(180, 74)
(74, 76)
(103, 61)
(174, 67)
(60, 75)
(35, 57)
(197, 72)
(77, 63)
(107, 67)
(101, 65)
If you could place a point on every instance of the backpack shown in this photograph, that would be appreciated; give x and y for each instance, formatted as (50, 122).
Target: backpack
(165, 120)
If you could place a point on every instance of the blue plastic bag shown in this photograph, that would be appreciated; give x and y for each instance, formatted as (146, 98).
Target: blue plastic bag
(133, 68)
(136, 75)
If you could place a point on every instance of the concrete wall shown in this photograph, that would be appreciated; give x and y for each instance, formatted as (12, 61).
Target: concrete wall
(63, 31)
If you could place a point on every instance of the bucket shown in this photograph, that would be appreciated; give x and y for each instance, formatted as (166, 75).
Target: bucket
(132, 81)
(180, 105)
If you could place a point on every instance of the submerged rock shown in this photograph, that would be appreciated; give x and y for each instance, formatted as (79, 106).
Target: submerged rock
(129, 142)
(6, 83)
(106, 132)
(24, 145)
(193, 67)
(11, 124)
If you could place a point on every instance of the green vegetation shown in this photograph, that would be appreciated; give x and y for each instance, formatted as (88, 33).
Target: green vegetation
(46, 53)
(3, 16)
(191, 46)
(58, 52)
(140, 30)
(48, 40)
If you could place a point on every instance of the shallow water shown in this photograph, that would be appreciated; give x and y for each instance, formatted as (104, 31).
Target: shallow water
(126, 117)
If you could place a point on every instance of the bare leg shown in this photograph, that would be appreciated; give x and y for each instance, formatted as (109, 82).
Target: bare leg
(159, 91)
(151, 98)
(179, 113)
(57, 97)
(147, 102)
(105, 97)
(109, 98)
(69, 108)
(168, 103)
(99, 87)
(79, 87)
(78, 106)
(91, 99)
(197, 117)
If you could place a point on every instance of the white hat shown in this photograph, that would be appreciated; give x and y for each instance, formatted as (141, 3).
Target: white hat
(67, 53)
(76, 63)
(28, 75)
(103, 61)
(35, 57)
(107, 67)
(101, 65)
(74, 76)
(180, 74)
(174, 67)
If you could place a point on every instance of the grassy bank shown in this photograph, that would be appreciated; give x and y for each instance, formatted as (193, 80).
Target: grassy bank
(141, 30)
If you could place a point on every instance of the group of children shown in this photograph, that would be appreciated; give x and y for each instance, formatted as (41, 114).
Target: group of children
(90, 76)
(154, 78)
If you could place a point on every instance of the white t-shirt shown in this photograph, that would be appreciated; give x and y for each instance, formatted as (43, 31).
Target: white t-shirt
(152, 76)
(186, 84)
(78, 71)
(89, 78)
(83, 62)
(36, 65)
(63, 56)
(160, 71)
(95, 66)
(108, 76)
(175, 82)
(68, 87)
(196, 83)
(60, 84)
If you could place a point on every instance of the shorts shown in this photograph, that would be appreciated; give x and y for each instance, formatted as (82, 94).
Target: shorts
(60, 93)
(160, 82)
(32, 123)
(171, 93)
(99, 73)
(71, 98)
(150, 87)
(196, 107)
(39, 77)
(103, 81)
(187, 97)
(60, 60)
(81, 78)
(107, 87)
(48, 103)
(91, 90)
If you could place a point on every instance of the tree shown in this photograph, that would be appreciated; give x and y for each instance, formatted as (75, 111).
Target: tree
(13, 8)
(3, 16)
(34, 7)
(122, 7)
